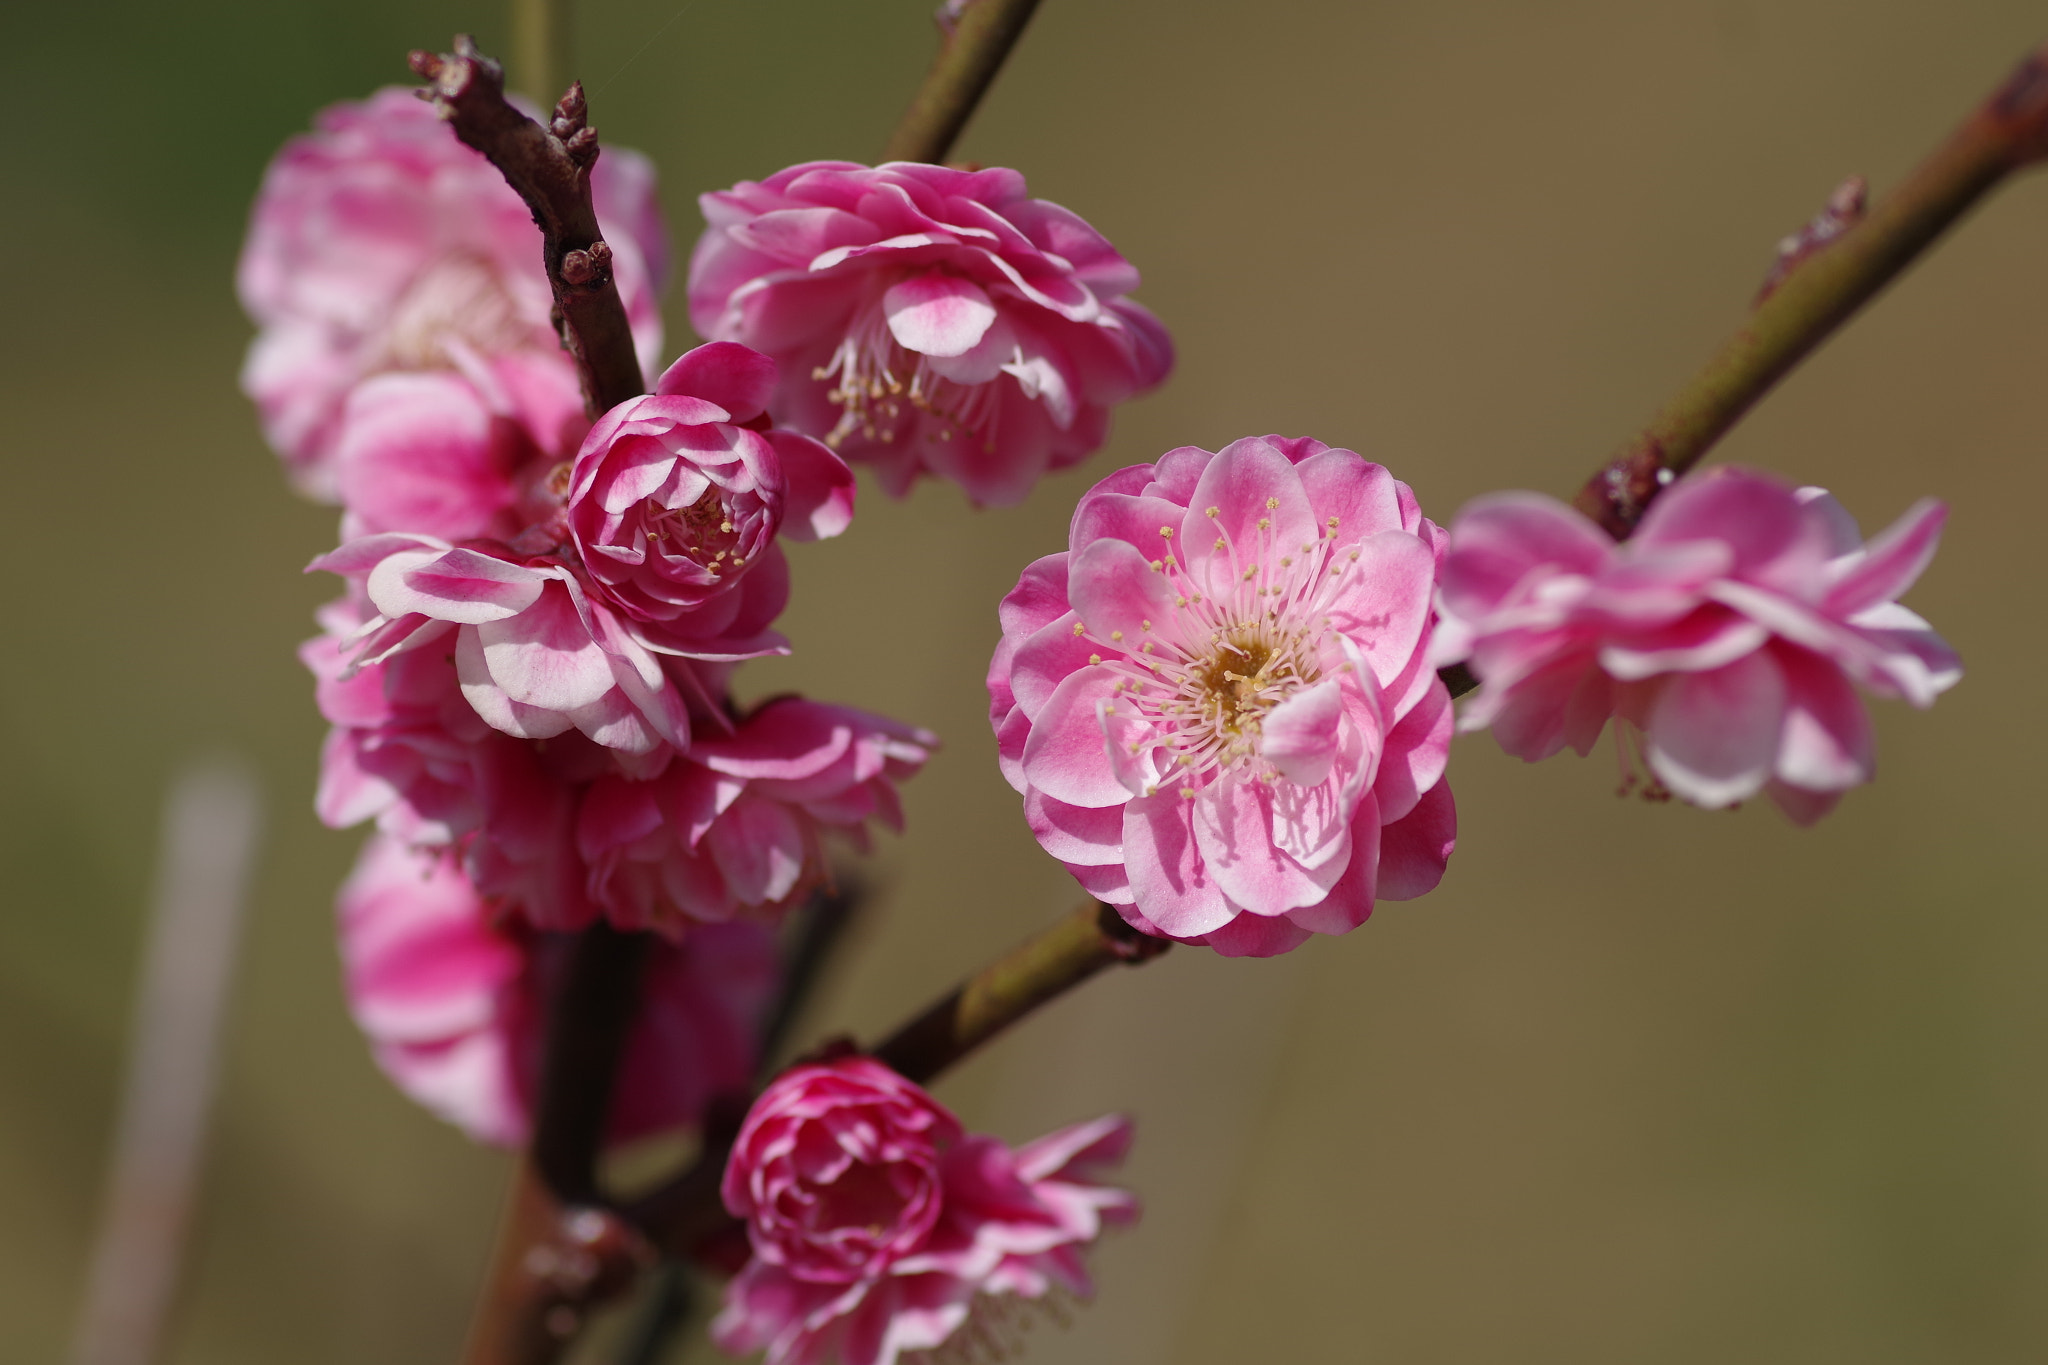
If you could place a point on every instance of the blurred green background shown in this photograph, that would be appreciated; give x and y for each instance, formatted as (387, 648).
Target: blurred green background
(1637, 1084)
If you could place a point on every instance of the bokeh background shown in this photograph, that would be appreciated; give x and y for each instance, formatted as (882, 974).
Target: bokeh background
(1637, 1083)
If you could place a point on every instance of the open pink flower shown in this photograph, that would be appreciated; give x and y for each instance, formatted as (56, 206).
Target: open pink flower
(879, 1228)
(453, 997)
(381, 244)
(1729, 631)
(928, 320)
(672, 499)
(537, 652)
(1217, 704)
(737, 827)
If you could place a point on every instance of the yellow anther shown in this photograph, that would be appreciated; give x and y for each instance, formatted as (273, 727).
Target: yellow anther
(1116, 635)
(1211, 512)
(1144, 625)
(1080, 629)
(1180, 601)
(1265, 523)
(1220, 543)
(1166, 531)
(1094, 658)
(1146, 648)
(1272, 504)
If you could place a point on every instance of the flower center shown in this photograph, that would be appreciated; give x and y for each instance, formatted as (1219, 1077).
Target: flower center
(883, 388)
(457, 302)
(1251, 637)
(704, 532)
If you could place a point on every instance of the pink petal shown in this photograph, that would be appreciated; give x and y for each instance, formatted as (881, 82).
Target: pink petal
(1067, 756)
(1257, 936)
(1358, 493)
(1383, 600)
(489, 700)
(1713, 737)
(1892, 562)
(1299, 736)
(735, 377)
(1234, 822)
(1076, 834)
(1119, 597)
(1499, 540)
(1169, 883)
(457, 585)
(545, 656)
(1415, 849)
(1708, 639)
(818, 503)
(1827, 744)
(1418, 749)
(938, 314)
(1247, 483)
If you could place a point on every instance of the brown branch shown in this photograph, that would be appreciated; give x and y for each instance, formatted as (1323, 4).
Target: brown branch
(559, 1252)
(1822, 290)
(976, 35)
(550, 168)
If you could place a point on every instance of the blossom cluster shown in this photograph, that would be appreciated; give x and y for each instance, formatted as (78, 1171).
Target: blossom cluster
(1223, 704)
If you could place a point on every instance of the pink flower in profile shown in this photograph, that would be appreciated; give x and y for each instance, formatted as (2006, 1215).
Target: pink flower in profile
(537, 652)
(672, 499)
(928, 320)
(1730, 631)
(878, 1227)
(380, 244)
(738, 826)
(452, 998)
(1217, 703)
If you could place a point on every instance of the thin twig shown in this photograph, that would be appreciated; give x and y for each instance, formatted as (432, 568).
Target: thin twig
(1043, 967)
(550, 168)
(975, 37)
(1822, 290)
(209, 842)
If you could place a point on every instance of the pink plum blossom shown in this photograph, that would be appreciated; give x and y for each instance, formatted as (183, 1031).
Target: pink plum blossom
(928, 320)
(1217, 701)
(452, 998)
(380, 244)
(538, 652)
(1730, 633)
(879, 1227)
(672, 499)
(738, 826)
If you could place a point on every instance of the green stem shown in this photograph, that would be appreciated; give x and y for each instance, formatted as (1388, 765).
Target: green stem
(980, 35)
(541, 48)
(2007, 132)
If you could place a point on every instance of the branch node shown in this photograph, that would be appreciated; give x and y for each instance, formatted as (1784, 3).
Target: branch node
(1843, 210)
